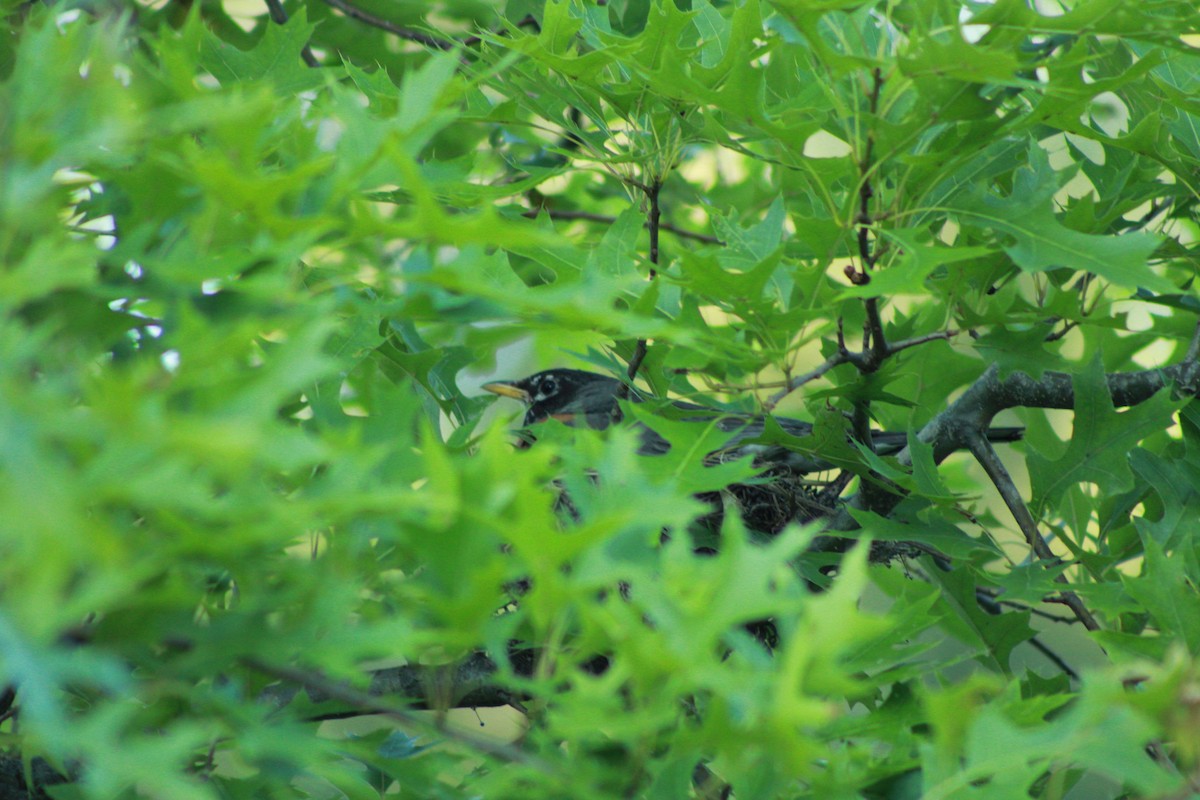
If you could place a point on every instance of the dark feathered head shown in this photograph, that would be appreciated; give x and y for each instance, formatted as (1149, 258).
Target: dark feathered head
(564, 394)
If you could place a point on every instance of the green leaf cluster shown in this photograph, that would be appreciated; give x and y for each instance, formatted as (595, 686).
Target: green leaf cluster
(245, 306)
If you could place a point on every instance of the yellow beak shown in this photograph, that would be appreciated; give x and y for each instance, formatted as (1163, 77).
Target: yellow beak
(506, 389)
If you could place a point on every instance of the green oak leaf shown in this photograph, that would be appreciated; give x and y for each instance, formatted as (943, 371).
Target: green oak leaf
(917, 260)
(748, 245)
(1039, 242)
(996, 635)
(1177, 483)
(1018, 350)
(685, 463)
(1169, 593)
(276, 58)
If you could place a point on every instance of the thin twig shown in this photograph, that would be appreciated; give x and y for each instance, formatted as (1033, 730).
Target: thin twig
(795, 383)
(652, 223)
(1067, 327)
(588, 216)
(992, 606)
(982, 449)
(846, 356)
(1037, 612)
(1054, 657)
(869, 360)
(904, 344)
(873, 339)
(280, 17)
(399, 30)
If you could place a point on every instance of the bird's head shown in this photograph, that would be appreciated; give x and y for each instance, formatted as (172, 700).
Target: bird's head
(564, 394)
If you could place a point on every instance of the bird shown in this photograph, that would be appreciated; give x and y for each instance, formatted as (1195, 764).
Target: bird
(781, 495)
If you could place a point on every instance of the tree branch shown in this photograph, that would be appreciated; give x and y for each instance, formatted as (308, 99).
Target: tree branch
(653, 220)
(324, 688)
(983, 451)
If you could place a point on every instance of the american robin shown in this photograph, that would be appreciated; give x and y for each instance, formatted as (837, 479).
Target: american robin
(783, 495)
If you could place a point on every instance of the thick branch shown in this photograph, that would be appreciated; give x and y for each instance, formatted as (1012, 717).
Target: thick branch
(972, 413)
(990, 395)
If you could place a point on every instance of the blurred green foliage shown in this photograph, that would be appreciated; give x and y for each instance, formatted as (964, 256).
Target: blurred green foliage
(239, 295)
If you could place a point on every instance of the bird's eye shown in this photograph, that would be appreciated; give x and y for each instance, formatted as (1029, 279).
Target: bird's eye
(549, 386)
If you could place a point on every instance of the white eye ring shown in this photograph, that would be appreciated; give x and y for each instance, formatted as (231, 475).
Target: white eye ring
(548, 387)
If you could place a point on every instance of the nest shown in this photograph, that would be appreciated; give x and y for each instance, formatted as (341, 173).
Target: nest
(778, 497)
